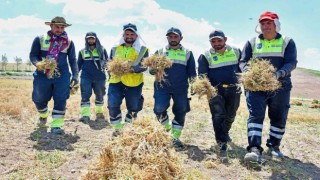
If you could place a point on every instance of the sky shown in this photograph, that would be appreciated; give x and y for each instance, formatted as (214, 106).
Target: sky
(21, 21)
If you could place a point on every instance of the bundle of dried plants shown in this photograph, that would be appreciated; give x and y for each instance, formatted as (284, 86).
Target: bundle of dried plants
(202, 87)
(143, 150)
(118, 67)
(49, 67)
(260, 76)
(157, 63)
(74, 89)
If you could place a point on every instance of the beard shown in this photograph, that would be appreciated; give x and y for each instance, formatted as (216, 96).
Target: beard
(129, 41)
(91, 44)
(219, 47)
(174, 43)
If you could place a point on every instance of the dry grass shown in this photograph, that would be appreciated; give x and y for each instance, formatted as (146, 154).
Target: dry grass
(143, 150)
(50, 67)
(158, 63)
(202, 87)
(296, 103)
(74, 89)
(260, 76)
(118, 67)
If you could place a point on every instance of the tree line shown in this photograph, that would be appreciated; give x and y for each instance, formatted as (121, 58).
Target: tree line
(18, 61)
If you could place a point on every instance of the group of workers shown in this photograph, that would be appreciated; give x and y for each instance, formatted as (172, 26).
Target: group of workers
(221, 64)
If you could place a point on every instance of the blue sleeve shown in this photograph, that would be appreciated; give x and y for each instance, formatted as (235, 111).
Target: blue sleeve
(80, 61)
(290, 58)
(203, 65)
(35, 52)
(246, 55)
(73, 61)
(106, 56)
(191, 67)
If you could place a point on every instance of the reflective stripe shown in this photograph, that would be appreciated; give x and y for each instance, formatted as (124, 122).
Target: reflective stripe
(44, 115)
(174, 121)
(57, 115)
(178, 56)
(98, 102)
(278, 136)
(277, 129)
(58, 111)
(115, 118)
(254, 133)
(175, 126)
(85, 104)
(164, 120)
(43, 110)
(115, 121)
(141, 54)
(216, 60)
(265, 48)
(255, 125)
(128, 120)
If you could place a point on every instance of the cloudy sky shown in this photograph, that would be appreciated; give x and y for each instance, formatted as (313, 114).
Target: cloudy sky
(21, 21)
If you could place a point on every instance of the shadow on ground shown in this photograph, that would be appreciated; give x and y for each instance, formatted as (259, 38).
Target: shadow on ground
(47, 141)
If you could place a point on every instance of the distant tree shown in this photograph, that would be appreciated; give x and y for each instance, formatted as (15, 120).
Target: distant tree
(4, 62)
(29, 63)
(18, 62)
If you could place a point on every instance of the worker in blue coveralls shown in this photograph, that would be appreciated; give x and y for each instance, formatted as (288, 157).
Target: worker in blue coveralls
(55, 44)
(175, 85)
(92, 62)
(128, 86)
(221, 65)
(282, 53)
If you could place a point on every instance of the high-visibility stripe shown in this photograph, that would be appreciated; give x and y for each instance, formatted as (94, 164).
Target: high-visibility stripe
(278, 136)
(58, 111)
(57, 115)
(254, 133)
(255, 125)
(277, 129)
(175, 126)
(43, 110)
(99, 109)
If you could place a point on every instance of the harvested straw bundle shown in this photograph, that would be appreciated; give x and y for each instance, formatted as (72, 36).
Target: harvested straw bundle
(49, 67)
(157, 63)
(260, 76)
(118, 67)
(202, 86)
(143, 150)
(74, 89)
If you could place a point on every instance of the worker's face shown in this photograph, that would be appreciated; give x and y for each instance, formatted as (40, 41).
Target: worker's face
(218, 43)
(57, 29)
(129, 36)
(174, 39)
(91, 41)
(268, 27)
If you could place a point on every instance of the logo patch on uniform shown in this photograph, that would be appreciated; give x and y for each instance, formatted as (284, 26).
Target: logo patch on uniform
(46, 41)
(259, 45)
(215, 58)
(166, 53)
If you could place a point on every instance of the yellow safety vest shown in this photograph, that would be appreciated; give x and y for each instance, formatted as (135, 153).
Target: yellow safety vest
(269, 48)
(129, 54)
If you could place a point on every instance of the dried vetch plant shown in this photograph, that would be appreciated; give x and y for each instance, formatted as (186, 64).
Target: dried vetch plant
(49, 67)
(158, 63)
(202, 87)
(118, 67)
(260, 76)
(143, 150)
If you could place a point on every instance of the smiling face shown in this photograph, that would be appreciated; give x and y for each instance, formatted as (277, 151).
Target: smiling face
(268, 27)
(129, 36)
(218, 43)
(57, 29)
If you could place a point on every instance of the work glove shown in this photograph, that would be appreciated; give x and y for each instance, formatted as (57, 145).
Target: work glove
(74, 82)
(278, 74)
(152, 71)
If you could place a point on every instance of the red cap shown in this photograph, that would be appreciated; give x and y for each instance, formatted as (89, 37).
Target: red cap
(268, 15)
